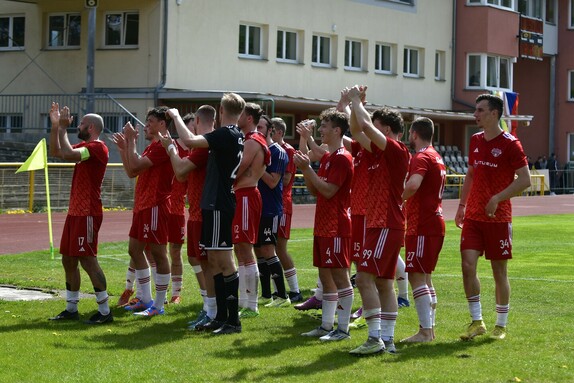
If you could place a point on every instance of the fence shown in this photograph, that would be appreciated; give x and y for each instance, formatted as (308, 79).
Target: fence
(25, 191)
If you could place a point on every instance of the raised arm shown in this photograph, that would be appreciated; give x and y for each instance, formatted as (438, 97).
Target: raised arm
(187, 137)
(307, 144)
(181, 166)
(135, 163)
(363, 123)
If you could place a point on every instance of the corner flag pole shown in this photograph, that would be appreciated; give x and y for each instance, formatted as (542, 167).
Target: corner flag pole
(38, 160)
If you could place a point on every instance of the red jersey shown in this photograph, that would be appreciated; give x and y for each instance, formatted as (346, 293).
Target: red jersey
(154, 184)
(178, 189)
(195, 181)
(332, 216)
(387, 173)
(85, 194)
(360, 183)
(424, 208)
(287, 188)
(260, 139)
(494, 163)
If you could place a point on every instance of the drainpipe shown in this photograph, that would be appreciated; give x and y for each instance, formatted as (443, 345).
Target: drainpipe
(552, 107)
(453, 59)
(163, 53)
(90, 65)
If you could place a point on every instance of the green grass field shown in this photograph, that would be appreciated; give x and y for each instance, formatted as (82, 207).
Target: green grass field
(539, 346)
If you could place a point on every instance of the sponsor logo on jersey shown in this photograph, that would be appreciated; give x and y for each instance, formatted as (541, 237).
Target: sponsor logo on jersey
(329, 261)
(364, 264)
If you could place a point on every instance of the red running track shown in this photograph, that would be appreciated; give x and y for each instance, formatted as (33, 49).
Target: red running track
(29, 232)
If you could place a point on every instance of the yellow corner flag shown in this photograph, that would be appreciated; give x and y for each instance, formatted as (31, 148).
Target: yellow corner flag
(37, 160)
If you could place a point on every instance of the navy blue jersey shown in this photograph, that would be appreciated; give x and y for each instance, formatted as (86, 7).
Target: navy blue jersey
(225, 153)
(273, 198)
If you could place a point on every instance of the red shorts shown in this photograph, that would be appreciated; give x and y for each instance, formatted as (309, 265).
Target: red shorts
(494, 239)
(194, 249)
(381, 252)
(331, 252)
(150, 225)
(422, 253)
(176, 227)
(80, 236)
(285, 226)
(247, 215)
(358, 225)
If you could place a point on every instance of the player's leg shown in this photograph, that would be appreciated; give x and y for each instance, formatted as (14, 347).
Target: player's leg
(176, 271)
(98, 279)
(422, 297)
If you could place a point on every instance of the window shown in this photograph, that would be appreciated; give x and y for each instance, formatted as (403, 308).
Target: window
(64, 30)
(411, 65)
(570, 147)
(486, 71)
(250, 41)
(122, 29)
(287, 46)
(571, 14)
(499, 3)
(531, 8)
(353, 55)
(383, 58)
(571, 85)
(11, 123)
(550, 14)
(322, 50)
(439, 65)
(12, 32)
(115, 122)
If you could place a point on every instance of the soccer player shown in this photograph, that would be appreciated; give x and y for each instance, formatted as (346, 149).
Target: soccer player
(79, 244)
(498, 171)
(151, 209)
(225, 146)
(284, 232)
(248, 212)
(193, 169)
(332, 228)
(425, 223)
(271, 188)
(385, 226)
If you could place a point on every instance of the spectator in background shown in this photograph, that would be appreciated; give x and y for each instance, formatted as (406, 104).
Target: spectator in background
(552, 167)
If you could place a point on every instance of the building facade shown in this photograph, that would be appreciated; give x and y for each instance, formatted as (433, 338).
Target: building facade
(292, 57)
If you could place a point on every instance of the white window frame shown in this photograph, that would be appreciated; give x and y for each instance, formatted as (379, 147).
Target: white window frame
(351, 45)
(251, 30)
(493, 3)
(124, 26)
(317, 46)
(283, 48)
(484, 71)
(440, 65)
(408, 53)
(379, 48)
(554, 5)
(65, 32)
(11, 46)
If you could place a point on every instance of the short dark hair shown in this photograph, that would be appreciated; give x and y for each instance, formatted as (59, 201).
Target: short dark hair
(206, 112)
(254, 110)
(424, 127)
(389, 117)
(494, 102)
(159, 112)
(188, 117)
(339, 119)
(268, 124)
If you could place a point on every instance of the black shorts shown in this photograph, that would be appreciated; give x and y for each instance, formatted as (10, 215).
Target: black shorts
(216, 230)
(268, 227)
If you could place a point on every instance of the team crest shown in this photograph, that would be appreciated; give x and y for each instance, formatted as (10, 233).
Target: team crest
(496, 152)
